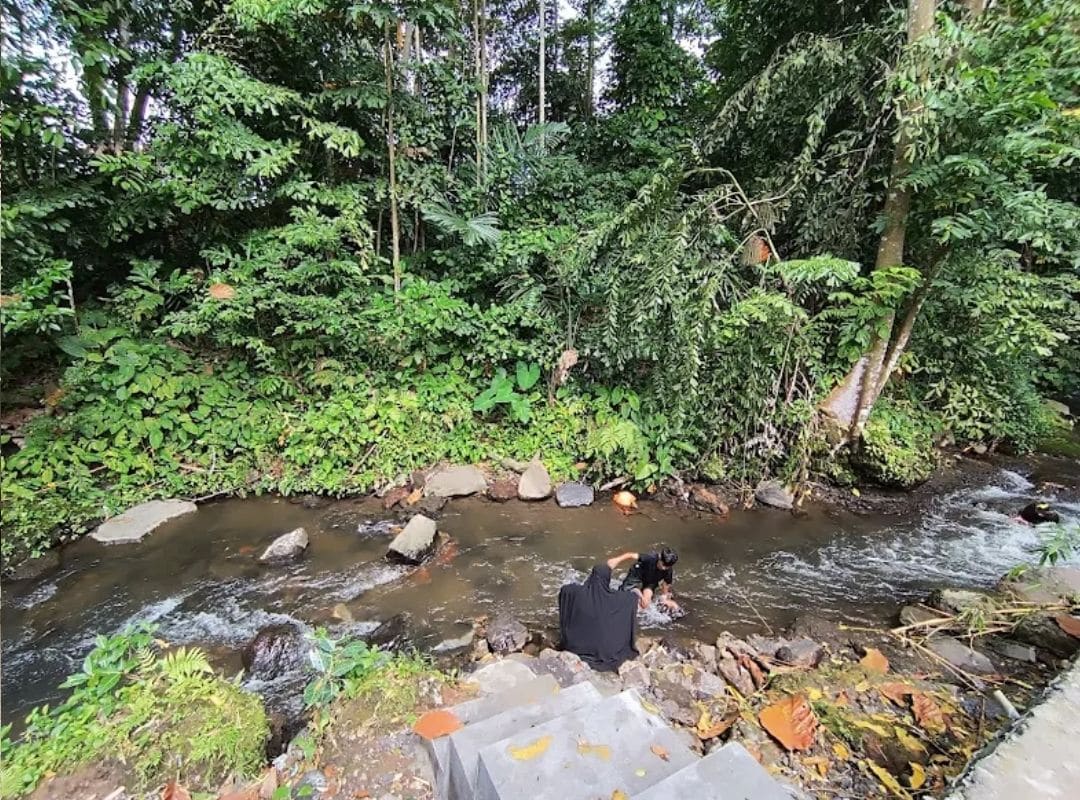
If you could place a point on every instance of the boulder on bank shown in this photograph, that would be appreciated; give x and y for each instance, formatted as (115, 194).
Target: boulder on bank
(535, 483)
(396, 496)
(775, 494)
(287, 547)
(506, 635)
(456, 481)
(705, 499)
(1044, 633)
(503, 491)
(960, 655)
(137, 522)
(574, 495)
(1044, 584)
(416, 541)
(275, 650)
(957, 601)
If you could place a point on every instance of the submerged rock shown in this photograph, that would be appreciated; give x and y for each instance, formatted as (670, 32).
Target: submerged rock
(574, 495)
(775, 494)
(1039, 513)
(961, 656)
(287, 547)
(456, 481)
(415, 542)
(535, 483)
(801, 653)
(35, 567)
(506, 635)
(391, 634)
(502, 491)
(395, 496)
(275, 650)
(137, 522)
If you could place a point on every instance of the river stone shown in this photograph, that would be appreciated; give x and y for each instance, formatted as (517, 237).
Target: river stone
(137, 522)
(415, 542)
(702, 684)
(705, 499)
(705, 655)
(287, 547)
(574, 495)
(567, 668)
(957, 601)
(506, 635)
(456, 643)
(535, 483)
(913, 615)
(801, 653)
(1013, 650)
(634, 675)
(1044, 584)
(503, 491)
(275, 650)
(961, 656)
(456, 482)
(775, 494)
(734, 674)
(1045, 634)
(432, 505)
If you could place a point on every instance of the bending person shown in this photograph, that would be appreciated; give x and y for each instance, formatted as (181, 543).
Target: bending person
(597, 622)
(651, 574)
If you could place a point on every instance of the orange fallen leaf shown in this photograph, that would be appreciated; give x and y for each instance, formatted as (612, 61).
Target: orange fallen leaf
(530, 751)
(874, 661)
(661, 751)
(927, 713)
(601, 751)
(896, 692)
(1069, 624)
(619, 794)
(174, 791)
(791, 722)
(434, 724)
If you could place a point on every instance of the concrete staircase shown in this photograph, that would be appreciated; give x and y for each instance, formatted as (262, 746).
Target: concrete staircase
(532, 739)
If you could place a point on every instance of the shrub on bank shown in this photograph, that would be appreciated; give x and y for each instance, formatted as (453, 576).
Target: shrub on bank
(897, 448)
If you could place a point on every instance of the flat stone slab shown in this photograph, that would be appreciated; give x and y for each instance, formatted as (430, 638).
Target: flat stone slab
(1037, 759)
(456, 482)
(415, 542)
(574, 495)
(729, 773)
(961, 656)
(591, 752)
(137, 522)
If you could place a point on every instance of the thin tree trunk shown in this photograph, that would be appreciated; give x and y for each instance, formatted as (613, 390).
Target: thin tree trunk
(391, 152)
(590, 10)
(483, 76)
(123, 92)
(138, 113)
(478, 69)
(541, 116)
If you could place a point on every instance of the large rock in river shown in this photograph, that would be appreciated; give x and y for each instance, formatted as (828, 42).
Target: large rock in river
(416, 541)
(137, 522)
(456, 482)
(573, 495)
(535, 483)
(275, 650)
(775, 494)
(506, 635)
(287, 547)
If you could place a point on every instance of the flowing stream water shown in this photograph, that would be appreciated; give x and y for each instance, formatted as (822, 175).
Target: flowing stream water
(197, 578)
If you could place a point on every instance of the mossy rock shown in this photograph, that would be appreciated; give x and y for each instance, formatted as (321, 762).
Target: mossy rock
(897, 447)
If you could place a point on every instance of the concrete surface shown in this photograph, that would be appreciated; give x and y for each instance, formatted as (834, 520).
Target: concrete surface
(498, 676)
(137, 522)
(729, 773)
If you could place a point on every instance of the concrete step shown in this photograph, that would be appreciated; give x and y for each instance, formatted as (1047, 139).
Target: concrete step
(620, 734)
(531, 691)
(466, 744)
(729, 773)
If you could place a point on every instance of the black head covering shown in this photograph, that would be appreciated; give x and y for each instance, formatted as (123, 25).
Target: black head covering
(597, 622)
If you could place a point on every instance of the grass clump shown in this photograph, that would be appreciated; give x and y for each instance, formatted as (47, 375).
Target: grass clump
(162, 715)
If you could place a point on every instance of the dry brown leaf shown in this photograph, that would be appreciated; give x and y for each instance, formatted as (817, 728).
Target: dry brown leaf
(434, 724)
(660, 751)
(9, 299)
(927, 713)
(707, 728)
(174, 791)
(751, 666)
(874, 661)
(530, 751)
(1069, 624)
(896, 692)
(791, 722)
(601, 751)
(222, 291)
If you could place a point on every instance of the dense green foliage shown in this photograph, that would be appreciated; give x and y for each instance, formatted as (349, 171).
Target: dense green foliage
(275, 245)
(165, 716)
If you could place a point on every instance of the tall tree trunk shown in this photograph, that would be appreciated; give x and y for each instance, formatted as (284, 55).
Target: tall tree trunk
(481, 99)
(123, 91)
(484, 70)
(541, 116)
(590, 12)
(391, 154)
(851, 402)
(138, 114)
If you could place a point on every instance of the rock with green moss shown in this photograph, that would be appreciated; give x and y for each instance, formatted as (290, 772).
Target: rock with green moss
(897, 447)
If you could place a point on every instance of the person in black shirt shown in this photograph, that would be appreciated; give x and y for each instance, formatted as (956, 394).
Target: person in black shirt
(652, 574)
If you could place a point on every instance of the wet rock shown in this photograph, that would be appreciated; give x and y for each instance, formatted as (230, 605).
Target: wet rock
(1045, 634)
(1044, 584)
(957, 601)
(775, 494)
(767, 647)
(311, 785)
(1013, 650)
(378, 528)
(480, 649)
(657, 658)
(395, 496)
(1039, 513)
(392, 634)
(455, 481)
(961, 656)
(705, 655)
(810, 626)
(634, 675)
(566, 667)
(431, 505)
(341, 612)
(415, 542)
(504, 490)
(801, 653)
(313, 501)
(732, 672)
(699, 683)
(535, 483)
(456, 643)
(574, 495)
(913, 615)
(275, 651)
(506, 635)
(137, 522)
(35, 567)
(287, 547)
(706, 499)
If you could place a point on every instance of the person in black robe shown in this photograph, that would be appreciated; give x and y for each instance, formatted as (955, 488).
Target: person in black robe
(597, 622)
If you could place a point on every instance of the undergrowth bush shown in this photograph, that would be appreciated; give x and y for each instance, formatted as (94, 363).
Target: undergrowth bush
(163, 715)
(897, 449)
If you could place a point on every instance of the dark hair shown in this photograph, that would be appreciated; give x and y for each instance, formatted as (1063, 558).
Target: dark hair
(668, 556)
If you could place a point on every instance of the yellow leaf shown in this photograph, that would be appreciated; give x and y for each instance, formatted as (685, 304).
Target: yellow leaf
(649, 707)
(640, 773)
(866, 724)
(917, 777)
(887, 780)
(619, 794)
(909, 742)
(856, 492)
(813, 694)
(601, 751)
(530, 751)
(841, 751)
(862, 686)
(820, 763)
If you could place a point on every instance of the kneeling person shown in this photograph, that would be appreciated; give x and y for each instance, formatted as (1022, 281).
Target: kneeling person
(651, 574)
